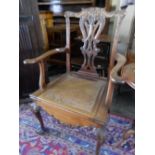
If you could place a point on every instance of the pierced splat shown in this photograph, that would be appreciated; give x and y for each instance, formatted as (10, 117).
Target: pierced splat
(92, 22)
(91, 27)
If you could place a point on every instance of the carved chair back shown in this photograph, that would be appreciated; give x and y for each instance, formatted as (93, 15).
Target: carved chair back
(91, 23)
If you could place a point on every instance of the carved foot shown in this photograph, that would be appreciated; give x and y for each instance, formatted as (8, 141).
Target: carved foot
(43, 131)
(36, 112)
(100, 139)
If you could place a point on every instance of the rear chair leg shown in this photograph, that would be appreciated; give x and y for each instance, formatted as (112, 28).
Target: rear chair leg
(36, 112)
(100, 138)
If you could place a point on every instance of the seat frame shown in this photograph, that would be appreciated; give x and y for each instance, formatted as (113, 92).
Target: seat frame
(70, 115)
(92, 21)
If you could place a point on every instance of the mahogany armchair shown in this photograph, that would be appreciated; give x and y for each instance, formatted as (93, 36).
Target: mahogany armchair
(83, 97)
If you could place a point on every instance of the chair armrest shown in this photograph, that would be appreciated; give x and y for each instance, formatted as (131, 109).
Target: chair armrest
(40, 60)
(45, 55)
(121, 60)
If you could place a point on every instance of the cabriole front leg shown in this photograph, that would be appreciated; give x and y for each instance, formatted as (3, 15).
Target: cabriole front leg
(36, 112)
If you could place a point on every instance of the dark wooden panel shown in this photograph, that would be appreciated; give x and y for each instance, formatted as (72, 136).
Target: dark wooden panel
(30, 45)
(27, 73)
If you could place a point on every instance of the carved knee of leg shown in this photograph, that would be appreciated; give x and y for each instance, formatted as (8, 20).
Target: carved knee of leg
(35, 107)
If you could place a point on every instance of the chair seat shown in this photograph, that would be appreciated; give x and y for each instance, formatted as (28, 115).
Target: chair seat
(73, 93)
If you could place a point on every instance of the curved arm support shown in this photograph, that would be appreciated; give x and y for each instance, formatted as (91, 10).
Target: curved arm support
(45, 55)
(121, 60)
(40, 60)
(114, 78)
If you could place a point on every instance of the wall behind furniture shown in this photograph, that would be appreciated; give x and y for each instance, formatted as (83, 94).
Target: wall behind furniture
(126, 27)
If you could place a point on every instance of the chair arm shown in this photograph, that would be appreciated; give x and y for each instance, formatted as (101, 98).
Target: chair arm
(40, 60)
(45, 55)
(121, 60)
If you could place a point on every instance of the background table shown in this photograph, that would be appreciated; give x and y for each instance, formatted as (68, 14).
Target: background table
(128, 74)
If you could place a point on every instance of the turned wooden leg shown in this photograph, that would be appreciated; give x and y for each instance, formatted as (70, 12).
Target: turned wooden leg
(100, 138)
(36, 112)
